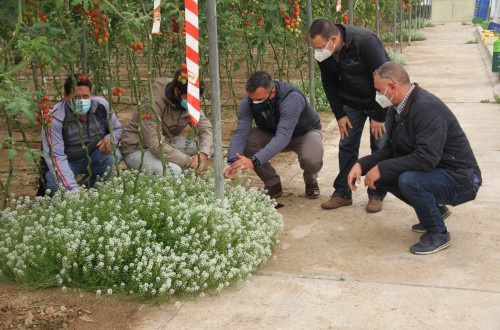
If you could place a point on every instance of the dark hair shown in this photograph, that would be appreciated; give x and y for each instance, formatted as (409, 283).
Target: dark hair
(259, 79)
(324, 28)
(183, 87)
(81, 80)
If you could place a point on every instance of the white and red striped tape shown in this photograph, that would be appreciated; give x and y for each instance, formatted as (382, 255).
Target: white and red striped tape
(193, 60)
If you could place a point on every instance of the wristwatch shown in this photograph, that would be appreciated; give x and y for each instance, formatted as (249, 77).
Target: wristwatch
(255, 161)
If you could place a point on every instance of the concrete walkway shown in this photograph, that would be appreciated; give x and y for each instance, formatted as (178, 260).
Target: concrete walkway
(349, 269)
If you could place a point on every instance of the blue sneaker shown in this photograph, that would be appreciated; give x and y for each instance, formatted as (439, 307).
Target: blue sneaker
(445, 213)
(431, 243)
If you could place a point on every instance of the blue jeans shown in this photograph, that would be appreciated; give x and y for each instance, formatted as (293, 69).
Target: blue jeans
(349, 153)
(100, 163)
(425, 190)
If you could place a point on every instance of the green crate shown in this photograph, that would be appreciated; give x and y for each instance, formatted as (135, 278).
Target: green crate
(477, 20)
(496, 46)
(496, 56)
(495, 67)
(485, 25)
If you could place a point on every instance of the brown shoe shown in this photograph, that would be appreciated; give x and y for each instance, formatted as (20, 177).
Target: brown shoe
(274, 191)
(374, 206)
(336, 202)
(312, 190)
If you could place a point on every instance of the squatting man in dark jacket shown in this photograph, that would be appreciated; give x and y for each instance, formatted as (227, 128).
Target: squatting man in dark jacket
(427, 161)
(347, 57)
(285, 122)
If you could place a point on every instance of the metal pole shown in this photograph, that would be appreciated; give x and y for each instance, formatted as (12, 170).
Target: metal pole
(351, 11)
(310, 59)
(213, 59)
(395, 20)
(409, 19)
(83, 48)
(377, 18)
(401, 38)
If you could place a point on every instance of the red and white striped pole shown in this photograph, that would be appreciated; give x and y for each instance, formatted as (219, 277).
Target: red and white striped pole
(193, 60)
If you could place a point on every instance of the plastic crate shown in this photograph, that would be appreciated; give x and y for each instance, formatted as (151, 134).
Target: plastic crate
(495, 67)
(485, 25)
(496, 46)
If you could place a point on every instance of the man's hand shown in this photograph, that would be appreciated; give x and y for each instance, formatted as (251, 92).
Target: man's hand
(203, 162)
(377, 129)
(243, 164)
(105, 146)
(371, 177)
(344, 123)
(354, 176)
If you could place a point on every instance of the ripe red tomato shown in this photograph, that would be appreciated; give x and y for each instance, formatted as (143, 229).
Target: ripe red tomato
(45, 98)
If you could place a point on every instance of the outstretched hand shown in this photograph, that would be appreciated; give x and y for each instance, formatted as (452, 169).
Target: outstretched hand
(242, 164)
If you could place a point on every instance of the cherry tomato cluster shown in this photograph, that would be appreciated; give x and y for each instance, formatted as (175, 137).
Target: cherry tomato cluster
(177, 31)
(99, 21)
(292, 22)
(146, 116)
(345, 20)
(136, 46)
(43, 115)
(32, 11)
(183, 76)
(117, 91)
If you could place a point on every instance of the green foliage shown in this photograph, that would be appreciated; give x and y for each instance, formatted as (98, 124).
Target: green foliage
(395, 56)
(141, 235)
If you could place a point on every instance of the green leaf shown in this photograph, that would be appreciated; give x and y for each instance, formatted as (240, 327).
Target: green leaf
(29, 157)
(12, 154)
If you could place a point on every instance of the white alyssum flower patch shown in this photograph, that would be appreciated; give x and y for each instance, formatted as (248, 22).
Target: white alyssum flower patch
(139, 234)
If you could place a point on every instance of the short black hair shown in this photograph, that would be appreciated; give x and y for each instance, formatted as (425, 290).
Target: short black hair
(259, 79)
(183, 87)
(323, 27)
(81, 80)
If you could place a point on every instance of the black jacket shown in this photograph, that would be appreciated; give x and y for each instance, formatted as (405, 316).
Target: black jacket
(427, 136)
(350, 80)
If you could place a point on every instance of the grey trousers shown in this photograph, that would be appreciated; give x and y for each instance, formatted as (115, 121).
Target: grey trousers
(153, 164)
(308, 147)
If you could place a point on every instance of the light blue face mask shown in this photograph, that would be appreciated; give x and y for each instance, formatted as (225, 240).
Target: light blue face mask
(184, 104)
(82, 106)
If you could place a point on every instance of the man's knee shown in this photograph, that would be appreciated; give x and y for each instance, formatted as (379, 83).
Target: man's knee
(407, 180)
(311, 165)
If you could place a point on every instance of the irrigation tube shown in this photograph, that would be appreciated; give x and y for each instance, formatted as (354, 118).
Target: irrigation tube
(213, 59)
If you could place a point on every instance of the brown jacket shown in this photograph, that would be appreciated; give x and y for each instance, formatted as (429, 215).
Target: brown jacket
(173, 120)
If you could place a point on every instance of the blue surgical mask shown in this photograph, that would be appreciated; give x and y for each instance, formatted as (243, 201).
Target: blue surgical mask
(184, 104)
(82, 106)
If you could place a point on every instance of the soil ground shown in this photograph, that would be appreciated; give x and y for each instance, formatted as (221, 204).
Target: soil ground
(343, 268)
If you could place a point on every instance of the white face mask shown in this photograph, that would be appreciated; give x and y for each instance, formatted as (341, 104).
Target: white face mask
(322, 54)
(382, 100)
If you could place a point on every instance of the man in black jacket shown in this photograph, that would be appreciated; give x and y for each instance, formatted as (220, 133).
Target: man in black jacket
(285, 122)
(427, 160)
(347, 57)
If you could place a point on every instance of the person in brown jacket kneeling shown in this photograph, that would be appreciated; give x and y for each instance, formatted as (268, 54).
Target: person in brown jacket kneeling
(170, 107)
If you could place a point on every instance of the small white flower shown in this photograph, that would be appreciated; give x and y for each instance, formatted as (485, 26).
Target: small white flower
(98, 292)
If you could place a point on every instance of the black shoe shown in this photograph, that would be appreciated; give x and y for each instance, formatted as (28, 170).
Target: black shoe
(312, 190)
(274, 191)
(445, 213)
(431, 243)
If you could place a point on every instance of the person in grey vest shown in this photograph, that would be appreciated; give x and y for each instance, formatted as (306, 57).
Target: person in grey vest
(284, 122)
(79, 118)
(427, 162)
(347, 56)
